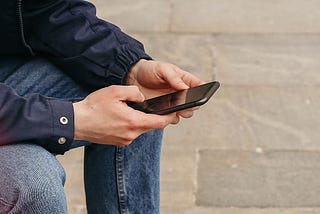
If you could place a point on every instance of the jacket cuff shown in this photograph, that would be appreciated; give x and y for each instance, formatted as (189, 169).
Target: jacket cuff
(125, 60)
(62, 126)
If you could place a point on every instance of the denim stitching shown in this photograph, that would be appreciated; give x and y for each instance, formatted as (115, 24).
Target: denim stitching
(5, 202)
(120, 180)
(10, 205)
(21, 25)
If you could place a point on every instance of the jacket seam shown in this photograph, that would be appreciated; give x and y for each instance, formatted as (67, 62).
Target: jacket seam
(21, 28)
(53, 118)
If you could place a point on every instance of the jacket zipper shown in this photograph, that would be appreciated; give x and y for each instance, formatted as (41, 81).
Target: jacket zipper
(21, 28)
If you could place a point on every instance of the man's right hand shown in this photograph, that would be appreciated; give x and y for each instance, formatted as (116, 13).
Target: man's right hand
(103, 117)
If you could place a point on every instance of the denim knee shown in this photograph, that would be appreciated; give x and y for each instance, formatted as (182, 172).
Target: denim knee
(32, 181)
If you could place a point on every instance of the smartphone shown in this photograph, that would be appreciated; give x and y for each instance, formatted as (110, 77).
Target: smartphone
(177, 101)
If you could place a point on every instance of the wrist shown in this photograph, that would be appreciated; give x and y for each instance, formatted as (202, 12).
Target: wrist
(78, 121)
(132, 73)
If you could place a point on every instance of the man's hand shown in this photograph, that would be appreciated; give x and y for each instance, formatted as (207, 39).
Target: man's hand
(103, 117)
(157, 78)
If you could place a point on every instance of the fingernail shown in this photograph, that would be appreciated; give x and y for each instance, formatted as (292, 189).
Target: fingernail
(142, 96)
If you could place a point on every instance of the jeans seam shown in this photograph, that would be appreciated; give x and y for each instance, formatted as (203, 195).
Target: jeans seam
(9, 204)
(120, 179)
(5, 202)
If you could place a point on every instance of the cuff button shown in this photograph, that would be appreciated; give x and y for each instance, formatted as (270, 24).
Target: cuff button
(62, 140)
(64, 120)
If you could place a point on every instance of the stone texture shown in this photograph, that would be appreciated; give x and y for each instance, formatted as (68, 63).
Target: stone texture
(137, 16)
(214, 16)
(280, 60)
(72, 162)
(277, 60)
(246, 16)
(202, 210)
(178, 174)
(247, 118)
(191, 52)
(216, 210)
(267, 179)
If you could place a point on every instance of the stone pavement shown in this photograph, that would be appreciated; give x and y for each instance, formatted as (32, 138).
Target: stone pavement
(255, 147)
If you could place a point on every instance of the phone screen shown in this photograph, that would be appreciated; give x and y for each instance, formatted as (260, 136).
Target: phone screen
(178, 100)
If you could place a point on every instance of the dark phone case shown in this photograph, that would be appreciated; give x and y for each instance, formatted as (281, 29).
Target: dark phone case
(142, 106)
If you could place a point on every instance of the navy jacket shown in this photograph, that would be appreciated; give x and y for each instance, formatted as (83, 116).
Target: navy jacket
(93, 52)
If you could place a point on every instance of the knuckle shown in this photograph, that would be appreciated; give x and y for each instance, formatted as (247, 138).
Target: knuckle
(162, 124)
(113, 89)
(134, 87)
(125, 143)
(129, 137)
(176, 120)
(160, 66)
(132, 123)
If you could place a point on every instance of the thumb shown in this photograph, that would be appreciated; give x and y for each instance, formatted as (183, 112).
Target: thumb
(129, 93)
(175, 81)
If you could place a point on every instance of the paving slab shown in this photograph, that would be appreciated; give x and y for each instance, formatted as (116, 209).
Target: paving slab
(280, 60)
(246, 16)
(178, 176)
(137, 16)
(250, 118)
(214, 16)
(72, 162)
(238, 119)
(253, 179)
(275, 60)
(193, 53)
(212, 210)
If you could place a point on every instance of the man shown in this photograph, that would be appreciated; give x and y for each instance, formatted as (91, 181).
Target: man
(65, 78)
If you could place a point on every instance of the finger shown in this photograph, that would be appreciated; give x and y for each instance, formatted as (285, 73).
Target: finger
(179, 79)
(128, 93)
(174, 80)
(186, 113)
(153, 121)
(188, 78)
(177, 119)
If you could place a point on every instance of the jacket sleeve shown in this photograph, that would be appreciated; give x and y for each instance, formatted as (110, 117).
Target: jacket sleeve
(93, 52)
(36, 119)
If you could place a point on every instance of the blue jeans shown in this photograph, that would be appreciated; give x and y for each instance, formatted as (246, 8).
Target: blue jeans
(117, 179)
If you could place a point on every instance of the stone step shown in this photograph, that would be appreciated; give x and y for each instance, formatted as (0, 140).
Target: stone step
(246, 16)
(194, 53)
(283, 60)
(248, 120)
(72, 161)
(214, 210)
(277, 60)
(251, 118)
(258, 179)
(213, 16)
(140, 16)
